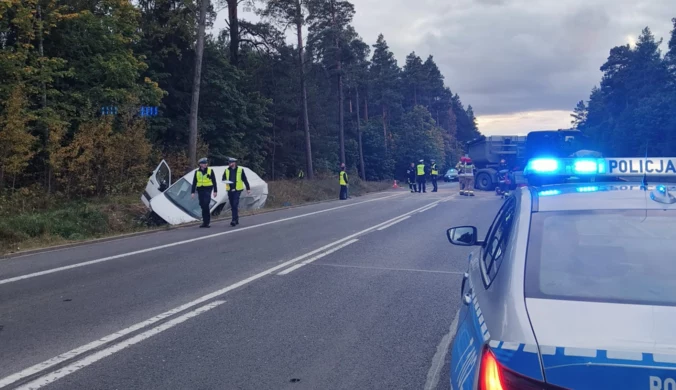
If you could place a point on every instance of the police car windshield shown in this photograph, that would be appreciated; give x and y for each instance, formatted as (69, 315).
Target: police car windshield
(623, 256)
(180, 195)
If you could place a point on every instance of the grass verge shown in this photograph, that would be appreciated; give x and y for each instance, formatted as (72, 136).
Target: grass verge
(66, 222)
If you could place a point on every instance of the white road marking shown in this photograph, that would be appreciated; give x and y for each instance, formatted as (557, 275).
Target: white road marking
(155, 248)
(433, 375)
(390, 269)
(114, 336)
(317, 257)
(91, 359)
(394, 223)
(431, 207)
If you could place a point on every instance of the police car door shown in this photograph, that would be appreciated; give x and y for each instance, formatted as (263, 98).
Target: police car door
(472, 330)
(158, 182)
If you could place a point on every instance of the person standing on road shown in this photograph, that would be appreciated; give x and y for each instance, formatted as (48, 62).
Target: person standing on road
(466, 176)
(235, 182)
(204, 182)
(410, 173)
(461, 178)
(342, 179)
(420, 176)
(434, 174)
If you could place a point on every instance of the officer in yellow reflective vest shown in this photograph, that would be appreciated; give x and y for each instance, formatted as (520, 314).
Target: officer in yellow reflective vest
(420, 176)
(342, 179)
(204, 182)
(434, 174)
(235, 182)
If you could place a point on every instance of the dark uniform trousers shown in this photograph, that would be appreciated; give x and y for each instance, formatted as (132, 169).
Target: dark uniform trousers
(343, 192)
(233, 198)
(434, 183)
(204, 196)
(421, 184)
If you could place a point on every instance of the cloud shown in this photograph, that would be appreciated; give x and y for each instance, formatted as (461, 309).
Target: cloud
(508, 56)
(523, 122)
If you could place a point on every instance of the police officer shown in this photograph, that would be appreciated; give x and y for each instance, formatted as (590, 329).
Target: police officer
(410, 174)
(342, 180)
(204, 182)
(236, 175)
(420, 176)
(434, 175)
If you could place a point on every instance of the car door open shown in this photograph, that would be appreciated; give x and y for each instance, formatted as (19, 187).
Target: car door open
(158, 182)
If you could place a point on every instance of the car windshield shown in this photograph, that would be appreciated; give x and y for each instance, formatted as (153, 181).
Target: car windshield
(623, 256)
(179, 194)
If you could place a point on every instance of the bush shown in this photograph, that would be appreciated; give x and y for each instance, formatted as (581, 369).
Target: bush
(71, 223)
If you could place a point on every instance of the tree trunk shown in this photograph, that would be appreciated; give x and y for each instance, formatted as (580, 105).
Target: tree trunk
(197, 78)
(366, 109)
(274, 145)
(234, 32)
(341, 114)
(361, 149)
(385, 125)
(339, 68)
(48, 165)
(301, 66)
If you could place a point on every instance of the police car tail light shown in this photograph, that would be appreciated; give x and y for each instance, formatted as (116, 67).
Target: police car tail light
(489, 377)
(494, 376)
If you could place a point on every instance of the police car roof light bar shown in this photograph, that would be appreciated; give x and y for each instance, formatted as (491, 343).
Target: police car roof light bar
(616, 167)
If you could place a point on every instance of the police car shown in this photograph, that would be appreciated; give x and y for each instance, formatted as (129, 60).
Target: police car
(574, 284)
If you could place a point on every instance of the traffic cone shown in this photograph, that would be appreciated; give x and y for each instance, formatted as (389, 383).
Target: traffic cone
(395, 185)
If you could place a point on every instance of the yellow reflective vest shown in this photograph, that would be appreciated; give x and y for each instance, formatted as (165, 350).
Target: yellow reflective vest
(239, 184)
(421, 169)
(204, 180)
(342, 178)
(434, 169)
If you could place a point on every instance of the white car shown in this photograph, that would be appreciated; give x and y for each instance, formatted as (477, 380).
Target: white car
(174, 204)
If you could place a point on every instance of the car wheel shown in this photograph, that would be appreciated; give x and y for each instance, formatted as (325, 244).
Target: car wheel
(484, 182)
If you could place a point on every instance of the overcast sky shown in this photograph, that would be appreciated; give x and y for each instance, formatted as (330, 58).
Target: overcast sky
(521, 64)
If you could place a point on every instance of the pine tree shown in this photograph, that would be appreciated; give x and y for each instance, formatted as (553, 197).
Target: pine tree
(413, 78)
(329, 38)
(385, 79)
(579, 115)
(293, 12)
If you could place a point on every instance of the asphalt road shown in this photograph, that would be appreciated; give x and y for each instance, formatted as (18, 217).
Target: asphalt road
(356, 294)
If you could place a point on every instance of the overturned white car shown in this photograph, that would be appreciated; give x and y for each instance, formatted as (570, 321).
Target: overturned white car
(172, 201)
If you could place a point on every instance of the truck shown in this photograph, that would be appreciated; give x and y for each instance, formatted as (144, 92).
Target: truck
(487, 152)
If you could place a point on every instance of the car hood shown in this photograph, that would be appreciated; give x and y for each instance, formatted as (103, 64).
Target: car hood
(169, 212)
(591, 345)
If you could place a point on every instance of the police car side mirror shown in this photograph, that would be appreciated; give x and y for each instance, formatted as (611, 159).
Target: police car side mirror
(463, 236)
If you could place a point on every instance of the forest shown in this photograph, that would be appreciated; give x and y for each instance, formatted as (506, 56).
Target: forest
(632, 112)
(78, 74)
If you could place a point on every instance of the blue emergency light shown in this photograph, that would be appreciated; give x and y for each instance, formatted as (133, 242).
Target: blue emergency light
(546, 166)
